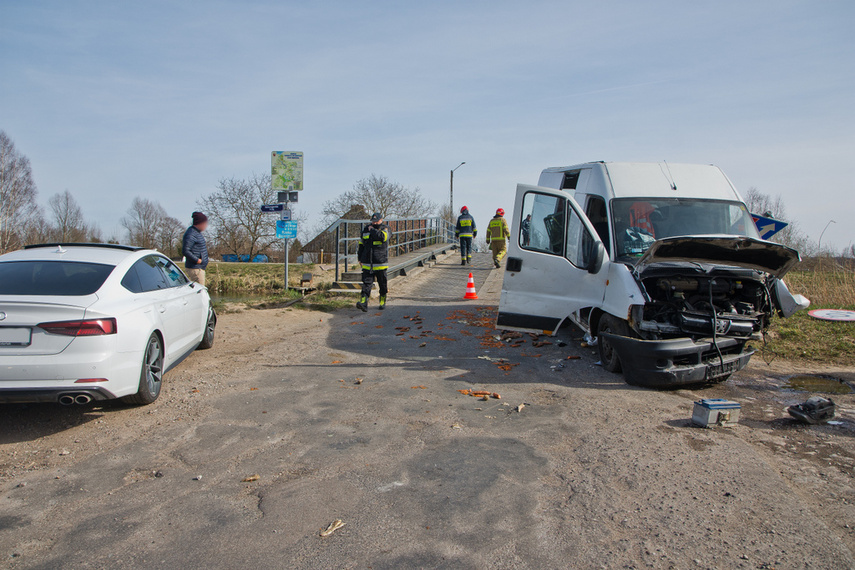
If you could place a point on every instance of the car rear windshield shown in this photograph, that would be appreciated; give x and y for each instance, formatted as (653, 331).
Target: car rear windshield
(65, 278)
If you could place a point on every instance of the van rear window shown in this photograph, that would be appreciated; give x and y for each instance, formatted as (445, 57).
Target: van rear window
(62, 278)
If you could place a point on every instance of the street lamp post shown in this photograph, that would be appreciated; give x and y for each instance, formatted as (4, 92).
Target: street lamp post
(822, 233)
(451, 188)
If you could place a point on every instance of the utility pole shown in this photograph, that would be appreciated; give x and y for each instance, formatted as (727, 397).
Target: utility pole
(451, 188)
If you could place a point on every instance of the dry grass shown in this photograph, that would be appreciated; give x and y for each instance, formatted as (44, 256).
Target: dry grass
(244, 279)
(825, 289)
(801, 337)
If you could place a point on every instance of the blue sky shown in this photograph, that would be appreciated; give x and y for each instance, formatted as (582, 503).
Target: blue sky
(111, 100)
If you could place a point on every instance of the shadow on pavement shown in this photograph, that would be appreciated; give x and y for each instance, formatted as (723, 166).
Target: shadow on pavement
(461, 339)
(28, 422)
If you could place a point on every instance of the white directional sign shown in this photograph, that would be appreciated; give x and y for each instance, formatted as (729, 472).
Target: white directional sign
(286, 216)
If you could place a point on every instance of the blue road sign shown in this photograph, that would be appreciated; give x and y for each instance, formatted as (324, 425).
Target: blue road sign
(272, 207)
(286, 230)
(768, 226)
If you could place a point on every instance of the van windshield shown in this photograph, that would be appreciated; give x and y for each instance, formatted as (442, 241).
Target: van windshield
(638, 222)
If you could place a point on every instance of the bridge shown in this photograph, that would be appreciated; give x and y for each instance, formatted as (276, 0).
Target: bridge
(413, 242)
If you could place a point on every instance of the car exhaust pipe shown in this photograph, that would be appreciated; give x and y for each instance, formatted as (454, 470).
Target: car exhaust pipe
(82, 399)
(66, 399)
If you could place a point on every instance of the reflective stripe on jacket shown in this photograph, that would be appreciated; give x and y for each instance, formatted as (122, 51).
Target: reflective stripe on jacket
(497, 230)
(465, 227)
(373, 249)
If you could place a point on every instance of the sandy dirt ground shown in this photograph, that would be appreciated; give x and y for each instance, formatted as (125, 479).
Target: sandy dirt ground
(358, 417)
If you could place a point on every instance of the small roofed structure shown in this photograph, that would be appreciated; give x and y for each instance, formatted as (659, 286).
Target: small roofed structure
(321, 249)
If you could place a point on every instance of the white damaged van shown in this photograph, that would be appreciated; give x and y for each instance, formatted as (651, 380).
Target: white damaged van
(660, 262)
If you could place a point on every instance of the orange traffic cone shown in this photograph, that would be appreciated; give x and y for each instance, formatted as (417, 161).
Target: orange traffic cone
(470, 289)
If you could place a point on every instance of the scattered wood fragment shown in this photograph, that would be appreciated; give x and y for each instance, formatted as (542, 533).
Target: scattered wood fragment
(332, 527)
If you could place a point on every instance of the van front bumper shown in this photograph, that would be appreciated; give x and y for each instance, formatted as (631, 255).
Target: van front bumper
(679, 362)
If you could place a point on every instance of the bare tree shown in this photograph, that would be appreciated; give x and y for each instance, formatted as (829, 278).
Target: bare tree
(144, 223)
(774, 207)
(68, 223)
(19, 212)
(234, 209)
(170, 234)
(379, 194)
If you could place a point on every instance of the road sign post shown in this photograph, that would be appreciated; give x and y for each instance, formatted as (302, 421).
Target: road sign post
(286, 176)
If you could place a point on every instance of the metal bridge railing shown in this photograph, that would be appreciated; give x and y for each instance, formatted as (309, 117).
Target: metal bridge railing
(405, 235)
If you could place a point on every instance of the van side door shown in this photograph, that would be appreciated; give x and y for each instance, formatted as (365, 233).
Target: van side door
(556, 263)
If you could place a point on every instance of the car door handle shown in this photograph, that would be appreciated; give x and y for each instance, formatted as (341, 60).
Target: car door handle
(162, 308)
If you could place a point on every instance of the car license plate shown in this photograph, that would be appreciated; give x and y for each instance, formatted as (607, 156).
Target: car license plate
(10, 336)
(716, 371)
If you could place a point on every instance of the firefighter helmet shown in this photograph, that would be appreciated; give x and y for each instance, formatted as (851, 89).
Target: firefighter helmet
(500, 212)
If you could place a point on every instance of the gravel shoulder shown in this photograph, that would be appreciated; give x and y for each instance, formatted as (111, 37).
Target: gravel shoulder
(349, 416)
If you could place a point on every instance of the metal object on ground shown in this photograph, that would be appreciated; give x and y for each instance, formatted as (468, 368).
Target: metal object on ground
(832, 314)
(816, 410)
(711, 412)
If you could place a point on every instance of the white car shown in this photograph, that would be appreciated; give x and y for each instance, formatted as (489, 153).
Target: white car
(83, 322)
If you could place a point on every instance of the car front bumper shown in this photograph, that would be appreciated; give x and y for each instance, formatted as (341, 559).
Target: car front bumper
(678, 362)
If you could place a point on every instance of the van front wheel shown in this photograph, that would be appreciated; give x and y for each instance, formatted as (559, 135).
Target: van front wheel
(608, 355)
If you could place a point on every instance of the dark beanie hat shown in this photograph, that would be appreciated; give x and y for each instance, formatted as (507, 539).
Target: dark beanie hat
(198, 218)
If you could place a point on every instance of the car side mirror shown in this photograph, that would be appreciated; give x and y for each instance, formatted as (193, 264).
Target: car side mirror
(597, 256)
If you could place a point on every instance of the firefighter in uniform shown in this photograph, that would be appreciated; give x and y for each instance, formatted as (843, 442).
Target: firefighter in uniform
(465, 231)
(497, 236)
(373, 254)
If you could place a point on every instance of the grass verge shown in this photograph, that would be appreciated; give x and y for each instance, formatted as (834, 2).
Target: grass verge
(237, 279)
(802, 337)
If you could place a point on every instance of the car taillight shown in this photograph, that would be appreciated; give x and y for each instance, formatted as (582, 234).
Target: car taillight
(90, 327)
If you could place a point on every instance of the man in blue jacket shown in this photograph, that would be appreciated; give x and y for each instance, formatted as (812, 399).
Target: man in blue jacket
(195, 249)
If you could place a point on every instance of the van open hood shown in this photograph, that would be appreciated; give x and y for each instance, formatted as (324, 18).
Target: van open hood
(738, 251)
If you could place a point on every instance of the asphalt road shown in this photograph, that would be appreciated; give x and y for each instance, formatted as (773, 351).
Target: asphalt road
(358, 417)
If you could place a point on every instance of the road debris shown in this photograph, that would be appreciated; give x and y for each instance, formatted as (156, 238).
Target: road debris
(251, 478)
(332, 527)
(482, 394)
(197, 478)
(358, 381)
(418, 387)
(816, 410)
(519, 408)
(456, 425)
(540, 343)
(573, 357)
(422, 345)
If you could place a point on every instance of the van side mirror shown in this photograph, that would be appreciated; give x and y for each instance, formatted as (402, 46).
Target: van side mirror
(597, 256)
